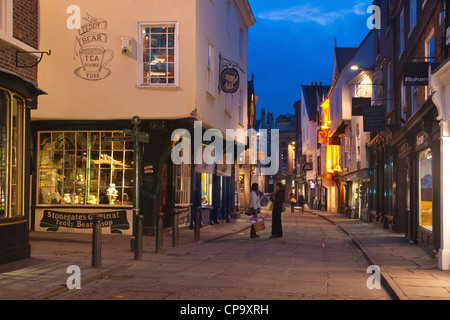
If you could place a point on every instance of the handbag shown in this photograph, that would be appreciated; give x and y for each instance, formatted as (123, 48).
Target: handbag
(250, 212)
(270, 206)
(293, 200)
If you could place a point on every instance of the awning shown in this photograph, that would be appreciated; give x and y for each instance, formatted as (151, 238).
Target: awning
(16, 83)
(341, 128)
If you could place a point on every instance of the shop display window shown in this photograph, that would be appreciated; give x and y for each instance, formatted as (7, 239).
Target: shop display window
(12, 144)
(426, 190)
(182, 184)
(81, 168)
(206, 189)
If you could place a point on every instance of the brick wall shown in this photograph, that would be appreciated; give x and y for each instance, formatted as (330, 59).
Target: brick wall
(26, 21)
(25, 29)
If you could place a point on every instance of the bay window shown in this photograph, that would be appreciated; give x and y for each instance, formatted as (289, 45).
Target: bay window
(12, 155)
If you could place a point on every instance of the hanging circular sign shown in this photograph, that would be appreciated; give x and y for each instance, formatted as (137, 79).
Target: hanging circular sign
(229, 80)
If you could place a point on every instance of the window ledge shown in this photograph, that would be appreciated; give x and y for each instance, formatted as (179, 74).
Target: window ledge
(140, 86)
(210, 96)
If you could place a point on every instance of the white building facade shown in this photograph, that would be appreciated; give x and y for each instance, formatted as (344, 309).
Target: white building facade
(158, 60)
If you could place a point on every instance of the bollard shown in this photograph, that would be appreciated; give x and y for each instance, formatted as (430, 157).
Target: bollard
(97, 241)
(138, 237)
(197, 224)
(175, 230)
(159, 233)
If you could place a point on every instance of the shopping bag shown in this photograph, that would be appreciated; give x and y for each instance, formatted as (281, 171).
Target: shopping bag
(270, 206)
(250, 212)
(258, 223)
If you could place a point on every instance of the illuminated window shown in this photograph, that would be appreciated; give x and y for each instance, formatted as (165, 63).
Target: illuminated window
(206, 189)
(158, 65)
(426, 190)
(12, 144)
(182, 176)
(81, 168)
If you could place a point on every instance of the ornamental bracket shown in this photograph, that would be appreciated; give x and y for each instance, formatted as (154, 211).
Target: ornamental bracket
(18, 53)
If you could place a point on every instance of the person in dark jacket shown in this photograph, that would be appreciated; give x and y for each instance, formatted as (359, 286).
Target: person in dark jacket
(278, 201)
(302, 202)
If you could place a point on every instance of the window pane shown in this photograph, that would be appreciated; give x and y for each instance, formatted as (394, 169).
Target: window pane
(16, 158)
(95, 142)
(69, 140)
(426, 190)
(82, 141)
(4, 103)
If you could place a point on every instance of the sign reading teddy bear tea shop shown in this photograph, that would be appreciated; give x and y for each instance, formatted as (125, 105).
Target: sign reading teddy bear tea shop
(89, 48)
(55, 220)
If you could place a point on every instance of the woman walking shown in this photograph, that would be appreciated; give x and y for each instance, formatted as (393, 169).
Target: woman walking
(255, 204)
(278, 201)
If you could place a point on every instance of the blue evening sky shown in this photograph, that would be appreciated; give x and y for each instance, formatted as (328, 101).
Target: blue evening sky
(292, 43)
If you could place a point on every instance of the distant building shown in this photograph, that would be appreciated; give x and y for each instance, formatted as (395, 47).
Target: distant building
(286, 174)
(308, 157)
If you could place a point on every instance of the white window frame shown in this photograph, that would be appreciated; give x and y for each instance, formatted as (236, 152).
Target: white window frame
(6, 18)
(403, 101)
(414, 100)
(428, 54)
(241, 106)
(210, 67)
(402, 32)
(412, 15)
(140, 55)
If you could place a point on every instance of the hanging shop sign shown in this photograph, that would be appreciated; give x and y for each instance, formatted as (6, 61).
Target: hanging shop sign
(229, 75)
(359, 104)
(374, 119)
(308, 166)
(322, 137)
(53, 220)
(334, 141)
(229, 80)
(416, 74)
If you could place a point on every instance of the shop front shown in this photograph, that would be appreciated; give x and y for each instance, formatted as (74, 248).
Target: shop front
(85, 167)
(417, 166)
(78, 173)
(17, 98)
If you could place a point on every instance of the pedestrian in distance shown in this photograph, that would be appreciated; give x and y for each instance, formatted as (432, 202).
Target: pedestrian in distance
(293, 202)
(255, 204)
(301, 202)
(278, 202)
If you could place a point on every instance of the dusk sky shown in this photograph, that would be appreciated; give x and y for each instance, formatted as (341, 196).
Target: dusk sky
(292, 43)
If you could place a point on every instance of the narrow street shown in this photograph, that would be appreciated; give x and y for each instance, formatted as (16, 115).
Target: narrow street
(314, 260)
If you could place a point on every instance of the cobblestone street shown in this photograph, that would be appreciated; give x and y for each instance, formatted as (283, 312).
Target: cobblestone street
(314, 260)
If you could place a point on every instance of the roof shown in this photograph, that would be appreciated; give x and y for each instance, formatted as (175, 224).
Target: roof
(313, 97)
(343, 56)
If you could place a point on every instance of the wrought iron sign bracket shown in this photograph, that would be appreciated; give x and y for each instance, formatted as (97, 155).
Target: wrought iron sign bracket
(18, 53)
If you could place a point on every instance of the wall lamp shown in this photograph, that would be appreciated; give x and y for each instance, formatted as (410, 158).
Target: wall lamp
(356, 67)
